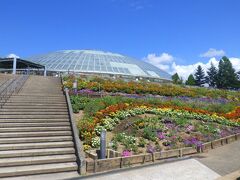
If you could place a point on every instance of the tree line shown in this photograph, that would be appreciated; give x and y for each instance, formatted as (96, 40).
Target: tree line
(224, 76)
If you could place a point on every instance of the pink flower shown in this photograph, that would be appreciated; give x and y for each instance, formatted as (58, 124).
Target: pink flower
(126, 153)
(189, 128)
(161, 135)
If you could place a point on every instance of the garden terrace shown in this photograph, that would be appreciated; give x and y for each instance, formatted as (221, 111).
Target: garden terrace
(143, 117)
(136, 125)
(147, 88)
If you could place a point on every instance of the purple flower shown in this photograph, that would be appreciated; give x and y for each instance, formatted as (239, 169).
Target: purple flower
(161, 135)
(193, 142)
(236, 130)
(170, 125)
(85, 91)
(126, 153)
(189, 128)
(150, 149)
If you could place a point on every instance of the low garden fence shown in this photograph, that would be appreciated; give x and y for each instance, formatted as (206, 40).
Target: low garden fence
(101, 165)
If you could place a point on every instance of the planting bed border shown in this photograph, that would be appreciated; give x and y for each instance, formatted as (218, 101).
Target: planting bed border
(105, 165)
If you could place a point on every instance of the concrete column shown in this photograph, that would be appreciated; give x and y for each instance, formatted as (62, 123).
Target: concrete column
(103, 145)
(14, 65)
(28, 70)
(45, 72)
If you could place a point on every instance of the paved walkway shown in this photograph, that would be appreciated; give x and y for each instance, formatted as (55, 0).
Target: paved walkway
(211, 165)
(223, 160)
(189, 169)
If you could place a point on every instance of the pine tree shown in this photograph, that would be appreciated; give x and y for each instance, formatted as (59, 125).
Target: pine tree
(238, 73)
(212, 75)
(199, 76)
(176, 79)
(190, 81)
(226, 76)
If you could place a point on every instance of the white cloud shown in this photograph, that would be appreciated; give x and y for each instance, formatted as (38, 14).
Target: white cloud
(185, 70)
(213, 53)
(162, 61)
(167, 62)
(162, 58)
(12, 56)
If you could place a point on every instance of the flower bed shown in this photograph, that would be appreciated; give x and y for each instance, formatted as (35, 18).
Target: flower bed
(97, 84)
(150, 129)
(149, 117)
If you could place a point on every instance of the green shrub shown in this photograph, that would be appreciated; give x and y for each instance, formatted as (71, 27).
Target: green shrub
(149, 133)
(181, 121)
(93, 106)
(78, 103)
(142, 142)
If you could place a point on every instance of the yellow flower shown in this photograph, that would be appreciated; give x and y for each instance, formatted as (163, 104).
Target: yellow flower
(215, 115)
(86, 147)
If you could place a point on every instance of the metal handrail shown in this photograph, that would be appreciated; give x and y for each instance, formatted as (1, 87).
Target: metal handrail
(13, 87)
(6, 83)
(3, 84)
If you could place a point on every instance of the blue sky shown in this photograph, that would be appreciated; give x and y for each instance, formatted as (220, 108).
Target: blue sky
(178, 31)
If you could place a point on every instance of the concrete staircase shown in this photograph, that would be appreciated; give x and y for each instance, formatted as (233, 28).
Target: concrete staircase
(35, 130)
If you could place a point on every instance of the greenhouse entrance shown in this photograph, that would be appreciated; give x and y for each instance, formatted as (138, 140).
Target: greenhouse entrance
(21, 66)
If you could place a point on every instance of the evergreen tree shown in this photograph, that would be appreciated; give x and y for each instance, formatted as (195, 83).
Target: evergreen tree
(212, 75)
(190, 81)
(176, 79)
(226, 76)
(181, 80)
(199, 76)
(238, 73)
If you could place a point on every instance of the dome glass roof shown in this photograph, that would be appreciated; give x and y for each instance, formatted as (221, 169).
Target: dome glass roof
(92, 61)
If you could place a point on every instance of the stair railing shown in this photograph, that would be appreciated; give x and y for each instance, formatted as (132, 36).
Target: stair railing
(13, 86)
(5, 84)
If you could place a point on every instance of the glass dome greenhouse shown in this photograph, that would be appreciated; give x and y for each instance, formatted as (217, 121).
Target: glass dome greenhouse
(98, 62)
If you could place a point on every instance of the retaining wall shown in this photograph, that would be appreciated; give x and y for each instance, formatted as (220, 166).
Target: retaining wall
(101, 165)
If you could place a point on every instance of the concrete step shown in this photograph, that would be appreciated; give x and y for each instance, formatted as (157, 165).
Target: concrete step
(35, 120)
(34, 110)
(33, 113)
(48, 176)
(34, 134)
(35, 104)
(34, 129)
(23, 161)
(37, 101)
(36, 152)
(41, 145)
(29, 107)
(35, 139)
(30, 95)
(11, 125)
(55, 93)
(37, 169)
(34, 96)
(12, 116)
